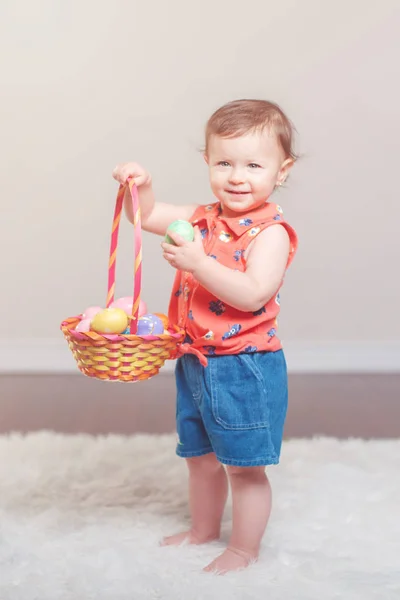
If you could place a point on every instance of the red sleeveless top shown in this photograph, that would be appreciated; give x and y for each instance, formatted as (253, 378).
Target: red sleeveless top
(212, 326)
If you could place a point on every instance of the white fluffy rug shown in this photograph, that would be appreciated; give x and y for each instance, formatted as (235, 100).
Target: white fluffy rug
(81, 517)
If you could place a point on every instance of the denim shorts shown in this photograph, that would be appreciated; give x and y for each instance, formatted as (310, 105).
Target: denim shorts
(235, 407)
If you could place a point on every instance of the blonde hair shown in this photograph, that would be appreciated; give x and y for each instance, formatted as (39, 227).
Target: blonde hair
(243, 116)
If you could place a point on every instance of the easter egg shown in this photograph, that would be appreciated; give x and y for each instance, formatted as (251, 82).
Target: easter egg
(83, 325)
(110, 320)
(142, 308)
(91, 311)
(150, 325)
(182, 228)
(126, 304)
(158, 323)
(163, 318)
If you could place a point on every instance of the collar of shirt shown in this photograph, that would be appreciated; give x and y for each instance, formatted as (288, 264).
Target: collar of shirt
(240, 224)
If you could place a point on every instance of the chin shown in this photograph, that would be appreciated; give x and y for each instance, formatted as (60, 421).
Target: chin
(236, 203)
(243, 206)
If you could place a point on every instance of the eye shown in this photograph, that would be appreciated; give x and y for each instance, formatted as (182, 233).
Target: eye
(254, 166)
(223, 163)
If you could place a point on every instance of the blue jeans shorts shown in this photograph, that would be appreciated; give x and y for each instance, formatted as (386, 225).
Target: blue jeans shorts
(235, 407)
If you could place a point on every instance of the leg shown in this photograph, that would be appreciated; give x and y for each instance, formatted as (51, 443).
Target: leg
(208, 490)
(251, 500)
(208, 484)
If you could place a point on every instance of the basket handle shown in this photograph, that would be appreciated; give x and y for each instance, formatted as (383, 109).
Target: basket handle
(138, 251)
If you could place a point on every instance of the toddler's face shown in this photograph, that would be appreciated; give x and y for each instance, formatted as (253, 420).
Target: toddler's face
(245, 170)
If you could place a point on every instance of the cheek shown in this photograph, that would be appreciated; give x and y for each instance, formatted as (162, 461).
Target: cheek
(217, 180)
(265, 182)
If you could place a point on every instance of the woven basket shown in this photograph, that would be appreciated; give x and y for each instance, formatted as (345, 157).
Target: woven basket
(122, 357)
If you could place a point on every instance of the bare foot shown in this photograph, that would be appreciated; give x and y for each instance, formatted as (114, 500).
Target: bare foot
(188, 537)
(230, 560)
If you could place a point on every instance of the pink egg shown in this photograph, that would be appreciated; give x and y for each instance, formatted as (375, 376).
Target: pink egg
(126, 304)
(83, 325)
(142, 308)
(90, 312)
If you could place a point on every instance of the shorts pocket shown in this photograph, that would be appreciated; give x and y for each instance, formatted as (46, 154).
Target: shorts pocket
(238, 392)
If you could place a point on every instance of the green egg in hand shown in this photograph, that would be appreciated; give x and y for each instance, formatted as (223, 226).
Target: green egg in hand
(182, 228)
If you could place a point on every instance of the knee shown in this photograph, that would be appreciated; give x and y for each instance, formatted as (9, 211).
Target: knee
(247, 473)
(206, 464)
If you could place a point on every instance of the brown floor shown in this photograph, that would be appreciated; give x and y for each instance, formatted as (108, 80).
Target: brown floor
(342, 405)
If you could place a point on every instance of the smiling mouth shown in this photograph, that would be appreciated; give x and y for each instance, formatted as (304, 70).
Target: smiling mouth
(237, 193)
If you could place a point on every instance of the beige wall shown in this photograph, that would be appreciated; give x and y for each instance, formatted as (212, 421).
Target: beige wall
(85, 84)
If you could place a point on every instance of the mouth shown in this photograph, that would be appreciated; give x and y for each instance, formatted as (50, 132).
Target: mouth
(237, 193)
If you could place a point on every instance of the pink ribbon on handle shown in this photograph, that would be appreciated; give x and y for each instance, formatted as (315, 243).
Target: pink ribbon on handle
(137, 251)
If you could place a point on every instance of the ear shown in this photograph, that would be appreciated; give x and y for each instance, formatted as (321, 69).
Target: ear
(284, 170)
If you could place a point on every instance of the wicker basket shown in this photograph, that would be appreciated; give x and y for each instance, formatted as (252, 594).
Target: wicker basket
(122, 357)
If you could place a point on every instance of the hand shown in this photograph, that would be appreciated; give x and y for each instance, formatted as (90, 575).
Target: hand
(185, 256)
(124, 171)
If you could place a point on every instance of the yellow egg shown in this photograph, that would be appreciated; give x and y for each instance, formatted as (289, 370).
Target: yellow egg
(110, 320)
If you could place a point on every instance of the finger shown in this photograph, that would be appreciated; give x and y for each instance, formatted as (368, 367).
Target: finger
(138, 179)
(126, 174)
(169, 248)
(117, 175)
(130, 171)
(168, 257)
(179, 241)
(171, 260)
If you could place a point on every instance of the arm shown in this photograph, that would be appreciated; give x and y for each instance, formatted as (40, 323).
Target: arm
(155, 216)
(252, 289)
(247, 291)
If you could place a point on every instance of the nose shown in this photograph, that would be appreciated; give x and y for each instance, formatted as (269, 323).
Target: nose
(237, 176)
